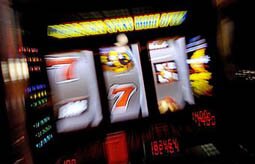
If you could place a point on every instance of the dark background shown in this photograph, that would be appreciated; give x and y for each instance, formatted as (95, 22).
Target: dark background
(232, 100)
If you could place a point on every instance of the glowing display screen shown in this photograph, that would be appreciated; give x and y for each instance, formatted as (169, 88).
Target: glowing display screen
(160, 149)
(164, 147)
(204, 118)
(115, 25)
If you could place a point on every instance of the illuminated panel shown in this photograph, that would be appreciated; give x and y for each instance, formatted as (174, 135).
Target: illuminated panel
(198, 61)
(38, 107)
(115, 25)
(73, 109)
(27, 50)
(146, 21)
(171, 74)
(162, 148)
(42, 128)
(116, 148)
(44, 141)
(204, 118)
(41, 122)
(73, 82)
(126, 95)
(34, 62)
(172, 19)
(43, 131)
(37, 96)
(119, 25)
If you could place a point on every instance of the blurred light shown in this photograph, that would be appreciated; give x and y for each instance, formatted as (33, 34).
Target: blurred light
(5, 71)
(158, 44)
(18, 69)
(116, 141)
(27, 50)
(70, 161)
(204, 118)
(164, 147)
(73, 109)
(24, 68)
(196, 47)
(14, 69)
(247, 75)
(146, 21)
(114, 25)
(203, 59)
(122, 40)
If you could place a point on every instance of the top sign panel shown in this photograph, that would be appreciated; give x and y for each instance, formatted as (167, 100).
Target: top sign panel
(115, 25)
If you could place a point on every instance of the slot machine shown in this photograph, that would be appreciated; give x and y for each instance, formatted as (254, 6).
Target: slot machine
(162, 66)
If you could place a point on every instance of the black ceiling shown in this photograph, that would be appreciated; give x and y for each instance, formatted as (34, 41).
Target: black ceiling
(59, 11)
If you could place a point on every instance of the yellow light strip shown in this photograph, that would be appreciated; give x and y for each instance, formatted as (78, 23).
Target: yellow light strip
(115, 25)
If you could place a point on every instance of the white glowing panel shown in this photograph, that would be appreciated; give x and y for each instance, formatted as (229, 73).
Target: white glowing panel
(75, 94)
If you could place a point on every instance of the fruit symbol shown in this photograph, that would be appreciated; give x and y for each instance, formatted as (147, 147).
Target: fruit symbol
(200, 76)
(166, 104)
(117, 61)
(202, 87)
(198, 66)
(166, 75)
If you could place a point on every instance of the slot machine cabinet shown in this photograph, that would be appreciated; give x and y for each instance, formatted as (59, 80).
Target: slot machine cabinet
(122, 74)
(39, 115)
(77, 106)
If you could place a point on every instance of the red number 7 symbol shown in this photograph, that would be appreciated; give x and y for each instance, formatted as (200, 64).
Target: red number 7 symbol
(123, 92)
(65, 64)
